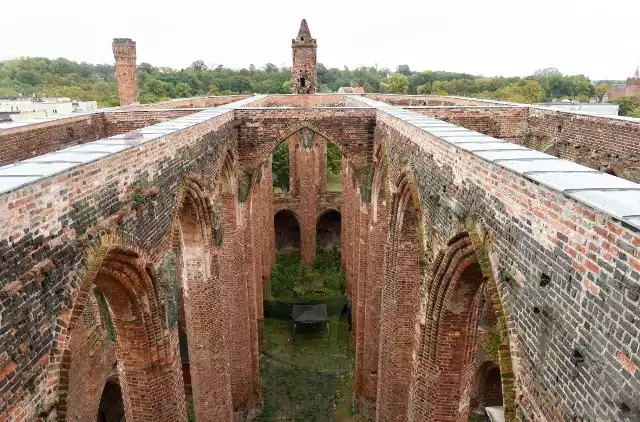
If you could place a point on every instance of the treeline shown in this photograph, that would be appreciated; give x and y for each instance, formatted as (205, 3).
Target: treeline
(36, 76)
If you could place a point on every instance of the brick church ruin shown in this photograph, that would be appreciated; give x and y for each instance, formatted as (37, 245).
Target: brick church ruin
(491, 251)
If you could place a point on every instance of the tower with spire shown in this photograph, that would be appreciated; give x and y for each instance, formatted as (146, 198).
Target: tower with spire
(305, 67)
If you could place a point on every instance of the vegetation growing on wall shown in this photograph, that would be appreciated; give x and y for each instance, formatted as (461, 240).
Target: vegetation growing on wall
(167, 277)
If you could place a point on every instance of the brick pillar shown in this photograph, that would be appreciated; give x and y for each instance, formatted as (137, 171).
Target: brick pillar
(362, 242)
(205, 316)
(238, 328)
(268, 237)
(250, 262)
(307, 180)
(124, 51)
(400, 302)
(366, 397)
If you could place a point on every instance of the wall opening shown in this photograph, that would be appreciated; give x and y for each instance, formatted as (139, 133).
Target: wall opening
(111, 407)
(287, 232)
(334, 168)
(303, 82)
(488, 388)
(328, 230)
(280, 168)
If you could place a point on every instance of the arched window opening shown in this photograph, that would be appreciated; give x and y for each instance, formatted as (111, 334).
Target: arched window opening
(328, 230)
(280, 168)
(488, 388)
(334, 168)
(287, 232)
(303, 82)
(111, 407)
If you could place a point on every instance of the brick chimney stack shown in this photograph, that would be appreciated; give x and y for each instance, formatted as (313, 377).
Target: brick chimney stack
(124, 51)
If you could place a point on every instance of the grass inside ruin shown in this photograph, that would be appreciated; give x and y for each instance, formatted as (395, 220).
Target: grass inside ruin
(310, 379)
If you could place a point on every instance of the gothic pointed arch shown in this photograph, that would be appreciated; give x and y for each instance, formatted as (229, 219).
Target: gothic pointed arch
(442, 379)
(147, 357)
(202, 298)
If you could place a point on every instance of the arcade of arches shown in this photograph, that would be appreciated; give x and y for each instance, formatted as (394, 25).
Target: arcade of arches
(192, 322)
(135, 275)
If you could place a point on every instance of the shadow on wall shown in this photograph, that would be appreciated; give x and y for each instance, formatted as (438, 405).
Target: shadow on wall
(111, 404)
(328, 230)
(287, 231)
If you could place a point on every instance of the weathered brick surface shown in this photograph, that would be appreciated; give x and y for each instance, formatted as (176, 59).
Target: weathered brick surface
(568, 276)
(261, 130)
(535, 231)
(500, 122)
(604, 143)
(427, 100)
(304, 72)
(31, 141)
(124, 52)
(600, 142)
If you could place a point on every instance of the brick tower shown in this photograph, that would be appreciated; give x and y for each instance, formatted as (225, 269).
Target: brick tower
(305, 75)
(124, 51)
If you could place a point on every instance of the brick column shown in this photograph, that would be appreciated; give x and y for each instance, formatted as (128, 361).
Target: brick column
(124, 51)
(235, 284)
(366, 397)
(307, 180)
(362, 242)
(400, 301)
(205, 316)
(251, 284)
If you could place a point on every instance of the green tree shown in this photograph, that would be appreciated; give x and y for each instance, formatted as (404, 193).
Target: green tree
(334, 158)
(600, 90)
(280, 167)
(629, 106)
(396, 83)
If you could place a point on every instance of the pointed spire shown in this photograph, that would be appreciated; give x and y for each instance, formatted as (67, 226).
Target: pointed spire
(637, 74)
(304, 32)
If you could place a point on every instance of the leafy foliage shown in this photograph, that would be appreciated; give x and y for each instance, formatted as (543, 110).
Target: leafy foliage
(629, 106)
(292, 280)
(280, 167)
(396, 83)
(39, 76)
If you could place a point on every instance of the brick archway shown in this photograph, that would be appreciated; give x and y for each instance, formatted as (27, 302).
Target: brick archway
(204, 307)
(445, 350)
(399, 304)
(147, 354)
(487, 386)
(111, 406)
(328, 228)
(286, 225)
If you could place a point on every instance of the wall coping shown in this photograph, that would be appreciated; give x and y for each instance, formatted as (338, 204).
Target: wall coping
(611, 195)
(36, 169)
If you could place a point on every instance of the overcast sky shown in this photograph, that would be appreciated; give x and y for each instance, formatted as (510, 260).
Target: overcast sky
(489, 37)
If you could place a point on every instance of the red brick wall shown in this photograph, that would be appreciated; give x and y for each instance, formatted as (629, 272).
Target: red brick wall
(125, 121)
(500, 122)
(31, 141)
(603, 143)
(261, 130)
